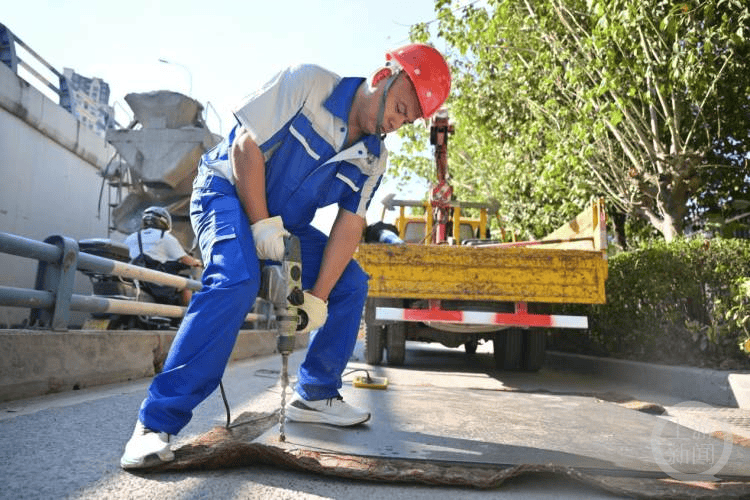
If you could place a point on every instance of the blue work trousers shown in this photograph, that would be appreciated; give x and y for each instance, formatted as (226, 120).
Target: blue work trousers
(231, 279)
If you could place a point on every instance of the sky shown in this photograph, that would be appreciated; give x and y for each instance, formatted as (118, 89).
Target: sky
(218, 50)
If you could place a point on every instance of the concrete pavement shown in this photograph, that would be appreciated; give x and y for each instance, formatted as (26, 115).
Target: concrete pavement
(68, 445)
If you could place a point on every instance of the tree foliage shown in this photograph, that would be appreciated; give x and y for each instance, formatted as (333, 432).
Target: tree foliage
(645, 102)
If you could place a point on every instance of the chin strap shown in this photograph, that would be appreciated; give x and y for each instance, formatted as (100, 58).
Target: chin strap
(381, 110)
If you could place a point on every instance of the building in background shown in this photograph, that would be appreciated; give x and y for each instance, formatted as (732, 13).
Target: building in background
(88, 100)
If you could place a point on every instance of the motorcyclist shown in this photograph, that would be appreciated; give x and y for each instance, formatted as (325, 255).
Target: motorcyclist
(155, 247)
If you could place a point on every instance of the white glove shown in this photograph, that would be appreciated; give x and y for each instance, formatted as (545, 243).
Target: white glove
(312, 314)
(269, 238)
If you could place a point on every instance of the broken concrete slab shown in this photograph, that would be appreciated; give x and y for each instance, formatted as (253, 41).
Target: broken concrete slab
(471, 429)
(241, 446)
(509, 428)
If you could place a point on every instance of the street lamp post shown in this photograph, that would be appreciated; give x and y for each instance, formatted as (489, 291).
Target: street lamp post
(190, 75)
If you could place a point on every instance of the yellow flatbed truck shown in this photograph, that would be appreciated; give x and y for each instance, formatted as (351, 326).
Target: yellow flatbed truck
(463, 294)
(460, 292)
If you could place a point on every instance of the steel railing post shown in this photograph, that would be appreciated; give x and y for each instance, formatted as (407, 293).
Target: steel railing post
(58, 278)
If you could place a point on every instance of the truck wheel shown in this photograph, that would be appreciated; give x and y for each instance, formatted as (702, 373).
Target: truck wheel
(508, 349)
(471, 347)
(498, 349)
(374, 343)
(395, 343)
(374, 334)
(535, 343)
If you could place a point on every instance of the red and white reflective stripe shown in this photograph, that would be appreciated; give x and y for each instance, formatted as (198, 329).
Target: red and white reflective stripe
(520, 318)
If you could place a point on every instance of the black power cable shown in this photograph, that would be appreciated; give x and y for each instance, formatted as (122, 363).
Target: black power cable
(226, 403)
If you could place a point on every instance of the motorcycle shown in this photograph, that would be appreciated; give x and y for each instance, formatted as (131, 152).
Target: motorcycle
(116, 287)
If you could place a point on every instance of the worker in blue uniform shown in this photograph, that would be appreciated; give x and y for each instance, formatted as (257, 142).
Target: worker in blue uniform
(306, 140)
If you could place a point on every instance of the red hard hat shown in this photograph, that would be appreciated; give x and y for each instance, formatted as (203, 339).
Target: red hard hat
(428, 72)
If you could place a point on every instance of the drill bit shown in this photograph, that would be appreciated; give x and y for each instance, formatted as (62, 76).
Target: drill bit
(284, 383)
(287, 314)
(285, 346)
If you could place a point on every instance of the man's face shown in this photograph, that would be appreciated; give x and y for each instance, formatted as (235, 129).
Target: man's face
(401, 105)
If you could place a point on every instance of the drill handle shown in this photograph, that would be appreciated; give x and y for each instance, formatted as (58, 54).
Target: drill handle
(292, 250)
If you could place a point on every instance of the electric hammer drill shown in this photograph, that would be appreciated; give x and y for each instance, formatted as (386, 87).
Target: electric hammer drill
(282, 286)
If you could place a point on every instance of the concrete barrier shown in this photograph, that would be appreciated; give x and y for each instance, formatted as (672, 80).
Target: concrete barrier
(38, 362)
(693, 384)
(740, 384)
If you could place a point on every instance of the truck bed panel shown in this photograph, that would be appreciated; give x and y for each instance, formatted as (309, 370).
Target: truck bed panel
(493, 274)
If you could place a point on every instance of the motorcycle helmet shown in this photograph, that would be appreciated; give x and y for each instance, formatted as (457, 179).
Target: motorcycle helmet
(157, 218)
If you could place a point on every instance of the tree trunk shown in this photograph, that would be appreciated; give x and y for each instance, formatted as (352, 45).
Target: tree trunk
(618, 219)
(668, 228)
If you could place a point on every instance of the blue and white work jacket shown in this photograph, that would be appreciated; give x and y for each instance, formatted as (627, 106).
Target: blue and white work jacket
(299, 121)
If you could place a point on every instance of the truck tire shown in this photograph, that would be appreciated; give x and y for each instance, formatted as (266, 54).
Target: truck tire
(374, 344)
(395, 343)
(535, 343)
(471, 346)
(508, 349)
(374, 334)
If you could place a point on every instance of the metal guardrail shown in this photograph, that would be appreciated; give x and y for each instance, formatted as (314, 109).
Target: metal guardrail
(9, 56)
(52, 299)
(34, 65)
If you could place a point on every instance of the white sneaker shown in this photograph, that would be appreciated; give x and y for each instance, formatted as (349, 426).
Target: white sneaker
(325, 411)
(146, 448)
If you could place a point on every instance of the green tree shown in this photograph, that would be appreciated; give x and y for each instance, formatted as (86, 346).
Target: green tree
(642, 101)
